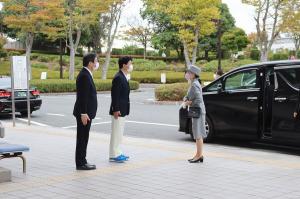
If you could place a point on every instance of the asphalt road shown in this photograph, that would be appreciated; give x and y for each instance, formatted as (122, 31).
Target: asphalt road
(147, 120)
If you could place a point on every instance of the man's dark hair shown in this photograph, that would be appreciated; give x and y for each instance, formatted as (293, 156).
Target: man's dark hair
(124, 60)
(89, 58)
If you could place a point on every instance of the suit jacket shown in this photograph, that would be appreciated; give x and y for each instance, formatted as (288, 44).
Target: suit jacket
(120, 95)
(86, 95)
(195, 95)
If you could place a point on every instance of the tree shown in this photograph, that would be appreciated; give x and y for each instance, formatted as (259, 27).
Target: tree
(291, 22)
(139, 33)
(113, 19)
(165, 34)
(30, 17)
(235, 40)
(193, 18)
(80, 14)
(268, 23)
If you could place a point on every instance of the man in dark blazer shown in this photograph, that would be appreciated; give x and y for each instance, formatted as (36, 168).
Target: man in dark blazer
(119, 109)
(85, 109)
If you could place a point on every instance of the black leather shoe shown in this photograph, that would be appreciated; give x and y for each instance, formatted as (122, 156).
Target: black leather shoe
(201, 159)
(86, 167)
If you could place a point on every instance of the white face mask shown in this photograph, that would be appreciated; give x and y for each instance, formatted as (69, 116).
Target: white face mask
(96, 66)
(130, 69)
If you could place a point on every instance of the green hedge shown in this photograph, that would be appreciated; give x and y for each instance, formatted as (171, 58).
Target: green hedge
(172, 77)
(227, 64)
(59, 86)
(171, 92)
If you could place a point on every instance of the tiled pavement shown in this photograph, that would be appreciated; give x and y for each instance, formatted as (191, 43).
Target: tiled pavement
(157, 169)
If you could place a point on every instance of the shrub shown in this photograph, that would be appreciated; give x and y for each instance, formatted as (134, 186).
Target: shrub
(279, 56)
(255, 54)
(227, 65)
(14, 53)
(171, 92)
(58, 86)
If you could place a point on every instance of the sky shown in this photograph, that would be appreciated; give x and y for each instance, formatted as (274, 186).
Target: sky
(243, 14)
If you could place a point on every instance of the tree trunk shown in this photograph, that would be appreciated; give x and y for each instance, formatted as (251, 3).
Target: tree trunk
(186, 54)
(195, 50)
(29, 42)
(73, 48)
(264, 55)
(115, 19)
(206, 57)
(145, 51)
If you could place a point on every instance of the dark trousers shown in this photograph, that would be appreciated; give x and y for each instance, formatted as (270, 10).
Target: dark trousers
(83, 133)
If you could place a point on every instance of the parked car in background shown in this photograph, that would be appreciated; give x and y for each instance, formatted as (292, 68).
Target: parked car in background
(253, 102)
(20, 98)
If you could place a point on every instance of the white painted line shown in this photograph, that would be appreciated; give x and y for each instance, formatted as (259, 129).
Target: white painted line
(93, 124)
(98, 118)
(150, 99)
(150, 123)
(55, 114)
(69, 127)
(32, 122)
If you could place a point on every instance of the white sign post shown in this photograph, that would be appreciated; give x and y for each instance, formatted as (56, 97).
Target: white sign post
(163, 78)
(19, 80)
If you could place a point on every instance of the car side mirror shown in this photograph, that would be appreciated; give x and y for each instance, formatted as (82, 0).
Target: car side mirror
(219, 88)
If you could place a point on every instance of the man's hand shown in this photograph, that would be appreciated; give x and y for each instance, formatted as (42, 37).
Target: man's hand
(117, 114)
(295, 114)
(85, 119)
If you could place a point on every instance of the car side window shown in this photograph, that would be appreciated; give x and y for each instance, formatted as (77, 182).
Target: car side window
(292, 75)
(241, 80)
(213, 87)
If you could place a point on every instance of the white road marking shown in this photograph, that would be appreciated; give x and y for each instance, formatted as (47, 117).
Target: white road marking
(98, 118)
(150, 123)
(93, 124)
(55, 114)
(33, 122)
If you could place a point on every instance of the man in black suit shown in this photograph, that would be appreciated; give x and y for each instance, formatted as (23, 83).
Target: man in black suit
(85, 109)
(119, 109)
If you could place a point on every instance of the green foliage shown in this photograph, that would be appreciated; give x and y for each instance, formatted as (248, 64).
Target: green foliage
(58, 86)
(227, 65)
(234, 40)
(255, 54)
(279, 56)
(171, 92)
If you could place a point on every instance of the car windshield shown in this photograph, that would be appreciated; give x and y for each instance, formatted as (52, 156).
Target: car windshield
(5, 83)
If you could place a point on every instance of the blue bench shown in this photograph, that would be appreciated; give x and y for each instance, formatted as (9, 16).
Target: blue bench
(8, 150)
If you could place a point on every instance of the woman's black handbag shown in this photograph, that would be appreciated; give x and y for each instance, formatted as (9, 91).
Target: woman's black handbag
(194, 112)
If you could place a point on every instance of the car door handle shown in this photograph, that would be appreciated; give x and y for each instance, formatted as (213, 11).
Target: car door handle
(280, 99)
(251, 98)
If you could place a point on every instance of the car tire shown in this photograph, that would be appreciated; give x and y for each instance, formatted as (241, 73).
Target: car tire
(209, 130)
(25, 113)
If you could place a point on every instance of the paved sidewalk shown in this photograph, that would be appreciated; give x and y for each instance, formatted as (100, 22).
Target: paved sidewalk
(157, 169)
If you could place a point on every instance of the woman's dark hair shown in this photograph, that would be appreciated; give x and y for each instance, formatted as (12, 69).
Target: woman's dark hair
(124, 60)
(89, 58)
(198, 77)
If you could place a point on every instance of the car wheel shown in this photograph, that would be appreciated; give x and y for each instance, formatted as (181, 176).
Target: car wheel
(25, 113)
(209, 130)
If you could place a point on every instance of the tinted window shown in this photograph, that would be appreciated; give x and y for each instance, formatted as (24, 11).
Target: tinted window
(213, 87)
(241, 80)
(292, 75)
(5, 83)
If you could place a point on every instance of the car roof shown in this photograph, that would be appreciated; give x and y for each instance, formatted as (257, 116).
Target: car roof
(268, 64)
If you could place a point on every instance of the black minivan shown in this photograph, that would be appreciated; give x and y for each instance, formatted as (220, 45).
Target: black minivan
(253, 102)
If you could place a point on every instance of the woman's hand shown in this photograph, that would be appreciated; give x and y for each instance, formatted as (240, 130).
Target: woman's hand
(295, 114)
(188, 103)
